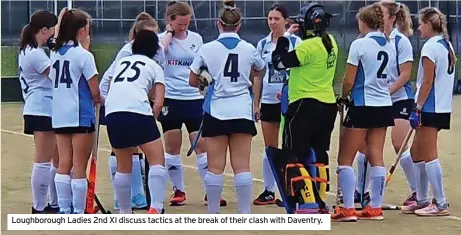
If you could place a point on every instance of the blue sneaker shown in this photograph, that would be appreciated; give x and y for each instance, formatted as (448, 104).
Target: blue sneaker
(139, 202)
(116, 206)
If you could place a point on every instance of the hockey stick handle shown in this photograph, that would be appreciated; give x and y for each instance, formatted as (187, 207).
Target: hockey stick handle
(96, 131)
(341, 119)
(399, 155)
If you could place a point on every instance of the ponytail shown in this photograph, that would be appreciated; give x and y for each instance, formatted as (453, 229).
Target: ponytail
(28, 38)
(380, 15)
(403, 20)
(326, 41)
(443, 26)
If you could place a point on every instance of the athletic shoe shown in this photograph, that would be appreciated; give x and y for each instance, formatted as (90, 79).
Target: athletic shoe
(307, 211)
(411, 199)
(410, 209)
(49, 209)
(265, 198)
(279, 203)
(34, 211)
(154, 211)
(222, 203)
(365, 199)
(368, 213)
(342, 214)
(434, 209)
(178, 198)
(139, 202)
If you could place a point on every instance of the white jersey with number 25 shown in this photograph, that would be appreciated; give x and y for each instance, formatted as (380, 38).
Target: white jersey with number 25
(72, 67)
(229, 60)
(134, 76)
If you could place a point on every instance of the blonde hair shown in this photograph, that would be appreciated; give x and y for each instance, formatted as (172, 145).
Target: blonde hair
(438, 22)
(372, 15)
(143, 20)
(402, 16)
(230, 16)
(177, 9)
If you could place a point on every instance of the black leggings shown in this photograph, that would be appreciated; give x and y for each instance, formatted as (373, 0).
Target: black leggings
(309, 123)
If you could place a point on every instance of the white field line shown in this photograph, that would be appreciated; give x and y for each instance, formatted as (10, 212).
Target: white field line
(195, 168)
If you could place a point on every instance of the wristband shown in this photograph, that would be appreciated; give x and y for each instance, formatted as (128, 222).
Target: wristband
(418, 108)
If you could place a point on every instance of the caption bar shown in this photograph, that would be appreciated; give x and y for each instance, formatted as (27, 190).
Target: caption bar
(205, 222)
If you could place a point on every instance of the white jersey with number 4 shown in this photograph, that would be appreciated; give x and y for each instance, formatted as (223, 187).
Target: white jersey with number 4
(230, 95)
(134, 76)
(441, 94)
(71, 68)
(374, 57)
(37, 88)
(178, 58)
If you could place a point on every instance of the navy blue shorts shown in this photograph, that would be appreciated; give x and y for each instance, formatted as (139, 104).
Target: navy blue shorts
(34, 123)
(403, 108)
(440, 121)
(75, 129)
(365, 117)
(213, 127)
(175, 113)
(127, 129)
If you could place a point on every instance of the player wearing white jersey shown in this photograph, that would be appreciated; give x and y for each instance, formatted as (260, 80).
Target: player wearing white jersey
(183, 103)
(75, 80)
(273, 81)
(369, 114)
(432, 111)
(131, 120)
(229, 109)
(143, 22)
(37, 91)
(398, 27)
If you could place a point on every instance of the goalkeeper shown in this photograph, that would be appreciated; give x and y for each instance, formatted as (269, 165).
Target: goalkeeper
(311, 110)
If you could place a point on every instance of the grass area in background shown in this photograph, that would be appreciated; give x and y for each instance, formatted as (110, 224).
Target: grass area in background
(105, 53)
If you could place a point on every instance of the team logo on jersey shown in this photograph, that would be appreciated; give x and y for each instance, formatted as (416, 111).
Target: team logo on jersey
(165, 110)
(192, 47)
(331, 60)
(180, 62)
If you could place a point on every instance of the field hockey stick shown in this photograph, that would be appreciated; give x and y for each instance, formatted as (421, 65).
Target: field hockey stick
(197, 138)
(365, 167)
(399, 155)
(94, 158)
(99, 206)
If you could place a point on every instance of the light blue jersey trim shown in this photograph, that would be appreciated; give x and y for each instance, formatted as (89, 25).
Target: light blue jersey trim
(85, 104)
(358, 90)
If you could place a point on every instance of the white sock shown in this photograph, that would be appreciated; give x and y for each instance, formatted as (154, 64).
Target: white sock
(346, 177)
(52, 188)
(79, 190)
(157, 186)
(136, 180)
(214, 185)
(40, 180)
(202, 166)
(422, 186)
(435, 176)
(378, 182)
(122, 187)
(175, 170)
(363, 178)
(244, 188)
(64, 191)
(407, 165)
(268, 177)
(112, 170)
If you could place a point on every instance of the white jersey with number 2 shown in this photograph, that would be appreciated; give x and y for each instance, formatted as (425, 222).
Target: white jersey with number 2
(230, 95)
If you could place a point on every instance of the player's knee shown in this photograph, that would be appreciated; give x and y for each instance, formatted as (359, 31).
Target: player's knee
(201, 146)
(173, 146)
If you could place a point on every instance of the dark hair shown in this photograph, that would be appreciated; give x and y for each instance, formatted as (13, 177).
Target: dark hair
(145, 43)
(230, 16)
(281, 9)
(72, 20)
(38, 20)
